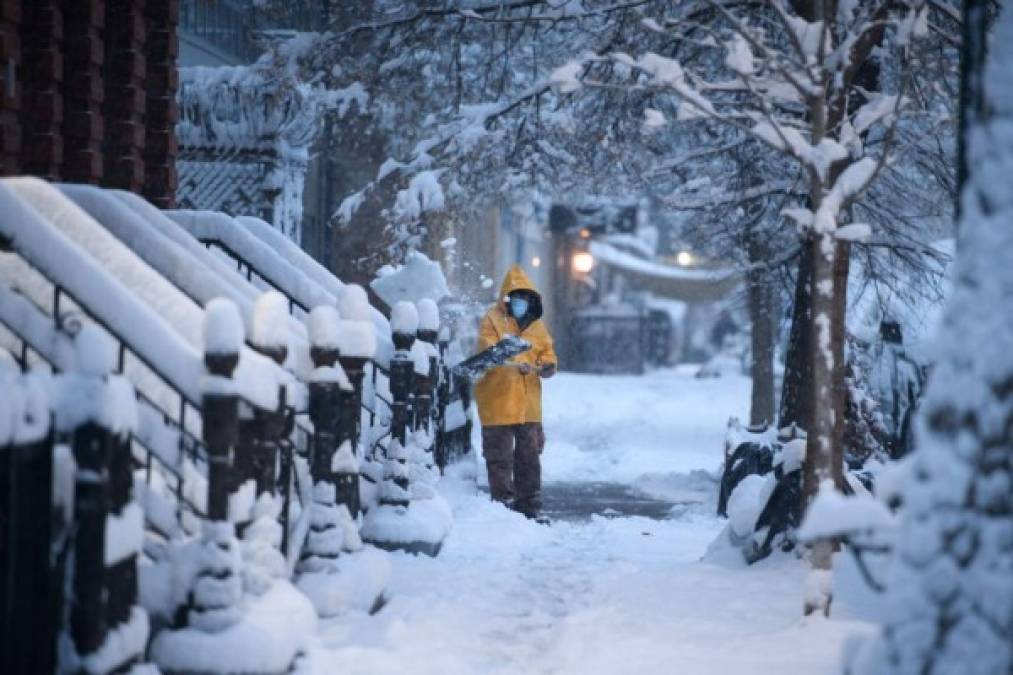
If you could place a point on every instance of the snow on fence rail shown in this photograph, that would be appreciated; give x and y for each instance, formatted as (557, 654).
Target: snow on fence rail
(195, 329)
(212, 227)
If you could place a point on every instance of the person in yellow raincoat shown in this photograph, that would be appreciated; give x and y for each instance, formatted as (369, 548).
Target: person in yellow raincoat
(509, 397)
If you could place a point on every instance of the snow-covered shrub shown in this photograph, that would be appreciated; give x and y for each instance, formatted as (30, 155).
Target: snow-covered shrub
(262, 559)
(217, 585)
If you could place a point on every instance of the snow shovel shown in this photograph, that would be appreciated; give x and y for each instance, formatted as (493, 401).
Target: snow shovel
(475, 366)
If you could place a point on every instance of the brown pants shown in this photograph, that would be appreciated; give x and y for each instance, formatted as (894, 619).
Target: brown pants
(512, 457)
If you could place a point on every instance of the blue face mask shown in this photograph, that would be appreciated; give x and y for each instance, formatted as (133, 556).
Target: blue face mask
(518, 307)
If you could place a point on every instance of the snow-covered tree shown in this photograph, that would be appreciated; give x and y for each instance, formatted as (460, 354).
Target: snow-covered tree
(797, 90)
(951, 587)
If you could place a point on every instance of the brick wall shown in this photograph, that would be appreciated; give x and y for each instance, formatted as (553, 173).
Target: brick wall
(42, 81)
(10, 89)
(88, 92)
(162, 110)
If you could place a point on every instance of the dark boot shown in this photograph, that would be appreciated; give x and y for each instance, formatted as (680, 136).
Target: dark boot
(529, 439)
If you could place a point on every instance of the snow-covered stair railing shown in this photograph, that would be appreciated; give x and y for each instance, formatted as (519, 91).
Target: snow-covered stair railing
(253, 471)
(411, 516)
(65, 440)
(241, 615)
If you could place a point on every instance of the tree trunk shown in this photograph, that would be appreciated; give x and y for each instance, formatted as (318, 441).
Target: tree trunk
(819, 465)
(842, 264)
(796, 396)
(763, 313)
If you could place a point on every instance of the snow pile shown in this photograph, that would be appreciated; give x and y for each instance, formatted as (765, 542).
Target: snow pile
(353, 303)
(95, 352)
(745, 503)
(270, 321)
(831, 515)
(217, 585)
(223, 328)
(356, 582)
(418, 278)
(344, 461)
(421, 355)
(336, 572)
(398, 522)
(325, 327)
(326, 536)
(263, 563)
(92, 394)
(274, 629)
(358, 339)
(419, 528)
(422, 471)
(404, 318)
(429, 314)
(423, 194)
(124, 533)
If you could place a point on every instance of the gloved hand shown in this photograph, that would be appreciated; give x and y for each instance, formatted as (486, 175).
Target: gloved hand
(547, 370)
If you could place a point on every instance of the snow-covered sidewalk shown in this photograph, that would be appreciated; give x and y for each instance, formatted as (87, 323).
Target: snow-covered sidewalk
(609, 595)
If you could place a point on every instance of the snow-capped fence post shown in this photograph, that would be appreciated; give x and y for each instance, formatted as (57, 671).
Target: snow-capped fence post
(425, 385)
(223, 337)
(100, 413)
(259, 437)
(213, 602)
(440, 449)
(404, 324)
(27, 622)
(327, 388)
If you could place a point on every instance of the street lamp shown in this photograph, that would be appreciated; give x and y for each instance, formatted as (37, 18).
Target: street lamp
(684, 258)
(582, 262)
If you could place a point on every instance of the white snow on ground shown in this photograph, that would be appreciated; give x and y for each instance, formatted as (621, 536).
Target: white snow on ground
(605, 596)
(622, 428)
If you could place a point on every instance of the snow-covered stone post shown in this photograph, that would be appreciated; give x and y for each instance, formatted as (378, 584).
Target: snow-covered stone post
(333, 465)
(98, 409)
(404, 324)
(260, 436)
(357, 347)
(425, 389)
(223, 339)
(213, 603)
(440, 445)
(27, 630)
(333, 461)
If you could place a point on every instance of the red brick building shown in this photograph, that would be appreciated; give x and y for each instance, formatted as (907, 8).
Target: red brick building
(89, 92)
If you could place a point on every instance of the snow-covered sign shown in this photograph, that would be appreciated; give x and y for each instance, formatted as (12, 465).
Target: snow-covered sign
(418, 278)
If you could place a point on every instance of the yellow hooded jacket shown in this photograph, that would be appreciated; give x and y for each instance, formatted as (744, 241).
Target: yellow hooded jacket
(503, 394)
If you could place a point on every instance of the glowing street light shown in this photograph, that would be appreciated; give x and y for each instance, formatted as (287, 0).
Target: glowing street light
(536, 262)
(583, 262)
(684, 258)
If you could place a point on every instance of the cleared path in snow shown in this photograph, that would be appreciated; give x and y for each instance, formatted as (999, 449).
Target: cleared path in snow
(597, 594)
